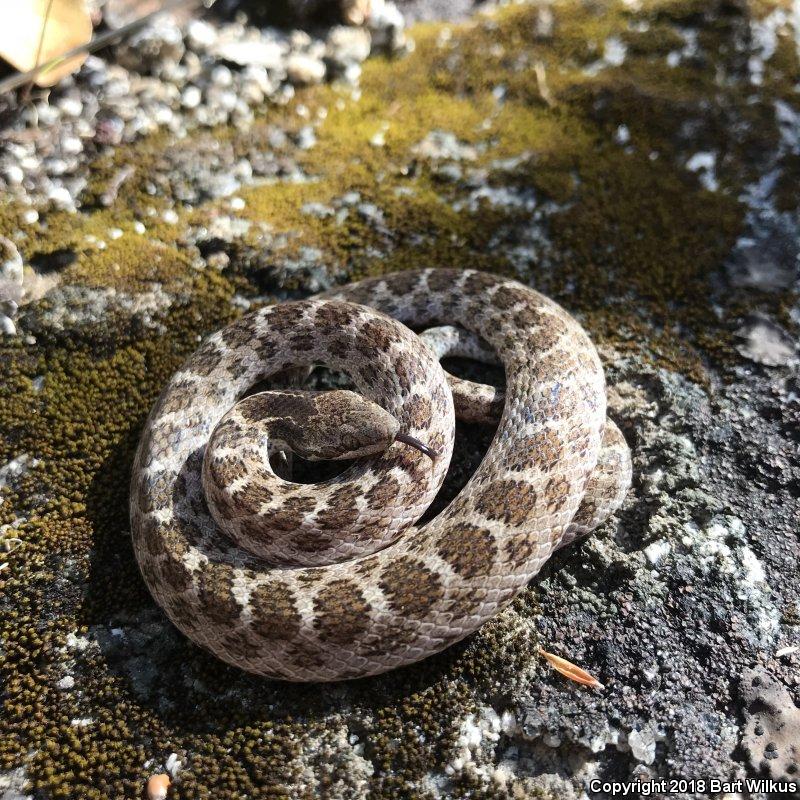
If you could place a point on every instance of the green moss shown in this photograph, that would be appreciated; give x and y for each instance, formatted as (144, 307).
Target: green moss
(634, 242)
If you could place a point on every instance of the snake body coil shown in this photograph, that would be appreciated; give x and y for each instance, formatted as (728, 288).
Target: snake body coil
(331, 581)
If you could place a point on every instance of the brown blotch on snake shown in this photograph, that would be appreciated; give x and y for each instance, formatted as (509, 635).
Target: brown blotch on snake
(342, 511)
(469, 550)
(341, 611)
(216, 594)
(507, 501)
(275, 615)
(410, 587)
(540, 451)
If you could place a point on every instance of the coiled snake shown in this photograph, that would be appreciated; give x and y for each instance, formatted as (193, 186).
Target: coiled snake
(327, 581)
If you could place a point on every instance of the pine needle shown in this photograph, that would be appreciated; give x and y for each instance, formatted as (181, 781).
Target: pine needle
(570, 670)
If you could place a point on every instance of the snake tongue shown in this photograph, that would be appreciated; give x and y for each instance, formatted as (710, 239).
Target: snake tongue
(416, 443)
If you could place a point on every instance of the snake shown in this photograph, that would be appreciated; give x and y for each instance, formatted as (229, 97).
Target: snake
(335, 580)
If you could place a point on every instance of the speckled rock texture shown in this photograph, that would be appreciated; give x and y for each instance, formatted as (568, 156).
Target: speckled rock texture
(638, 162)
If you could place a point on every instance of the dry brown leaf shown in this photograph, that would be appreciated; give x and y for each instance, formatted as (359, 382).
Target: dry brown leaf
(66, 24)
(569, 670)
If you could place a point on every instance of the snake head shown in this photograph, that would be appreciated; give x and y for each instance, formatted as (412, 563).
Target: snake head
(348, 426)
(345, 426)
(317, 426)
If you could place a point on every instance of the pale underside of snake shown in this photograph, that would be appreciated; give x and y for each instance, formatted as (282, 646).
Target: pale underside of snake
(328, 581)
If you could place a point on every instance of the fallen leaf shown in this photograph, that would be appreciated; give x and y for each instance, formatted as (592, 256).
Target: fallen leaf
(36, 32)
(571, 671)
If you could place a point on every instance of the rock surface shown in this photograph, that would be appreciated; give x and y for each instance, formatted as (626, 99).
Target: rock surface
(636, 161)
(772, 726)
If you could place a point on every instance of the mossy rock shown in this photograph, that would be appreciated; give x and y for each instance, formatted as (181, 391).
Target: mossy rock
(613, 226)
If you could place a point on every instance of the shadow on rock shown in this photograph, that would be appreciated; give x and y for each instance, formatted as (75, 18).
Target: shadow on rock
(164, 672)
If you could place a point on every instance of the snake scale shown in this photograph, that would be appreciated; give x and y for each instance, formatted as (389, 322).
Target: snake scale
(329, 581)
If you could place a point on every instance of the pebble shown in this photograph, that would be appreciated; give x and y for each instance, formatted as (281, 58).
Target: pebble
(306, 138)
(156, 44)
(371, 213)
(614, 51)
(200, 35)
(173, 765)
(14, 174)
(356, 12)
(765, 342)
(643, 745)
(222, 76)
(444, 145)
(71, 145)
(71, 106)
(213, 73)
(300, 39)
(319, 210)
(304, 70)
(66, 683)
(61, 198)
(251, 53)
(10, 262)
(657, 551)
(388, 27)
(7, 326)
(352, 74)
(449, 173)
(157, 787)
(346, 46)
(191, 97)
(8, 307)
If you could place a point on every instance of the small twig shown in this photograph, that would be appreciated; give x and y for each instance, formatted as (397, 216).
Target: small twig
(110, 194)
(541, 83)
